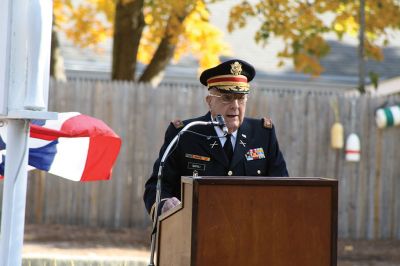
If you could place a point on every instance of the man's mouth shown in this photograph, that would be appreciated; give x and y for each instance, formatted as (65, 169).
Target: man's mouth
(231, 116)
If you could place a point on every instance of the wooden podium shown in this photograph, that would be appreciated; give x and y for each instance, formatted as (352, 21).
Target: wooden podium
(251, 221)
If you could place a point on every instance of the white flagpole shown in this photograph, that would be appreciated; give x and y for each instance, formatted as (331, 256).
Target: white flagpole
(25, 83)
(14, 193)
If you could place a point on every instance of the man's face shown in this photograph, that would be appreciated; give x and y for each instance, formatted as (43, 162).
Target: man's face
(230, 105)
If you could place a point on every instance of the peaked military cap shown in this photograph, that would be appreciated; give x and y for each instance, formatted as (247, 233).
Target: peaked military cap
(232, 76)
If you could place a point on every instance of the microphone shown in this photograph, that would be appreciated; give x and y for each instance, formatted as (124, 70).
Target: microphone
(221, 124)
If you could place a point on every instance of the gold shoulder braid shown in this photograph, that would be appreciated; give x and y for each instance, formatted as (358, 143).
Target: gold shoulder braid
(177, 123)
(267, 122)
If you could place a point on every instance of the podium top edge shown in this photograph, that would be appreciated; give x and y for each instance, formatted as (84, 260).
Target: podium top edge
(258, 180)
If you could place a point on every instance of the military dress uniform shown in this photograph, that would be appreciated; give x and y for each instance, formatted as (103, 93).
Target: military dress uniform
(256, 150)
(256, 153)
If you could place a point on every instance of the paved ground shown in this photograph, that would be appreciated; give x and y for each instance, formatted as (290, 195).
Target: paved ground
(368, 253)
(62, 243)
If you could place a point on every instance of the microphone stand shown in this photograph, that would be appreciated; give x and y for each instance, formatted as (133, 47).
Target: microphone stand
(219, 122)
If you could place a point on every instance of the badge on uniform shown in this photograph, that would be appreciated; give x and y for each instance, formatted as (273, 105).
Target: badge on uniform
(196, 166)
(197, 157)
(255, 154)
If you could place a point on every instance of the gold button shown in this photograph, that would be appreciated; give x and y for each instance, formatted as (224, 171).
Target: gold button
(230, 172)
(258, 172)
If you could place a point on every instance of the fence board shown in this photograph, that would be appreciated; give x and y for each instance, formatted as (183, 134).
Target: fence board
(369, 191)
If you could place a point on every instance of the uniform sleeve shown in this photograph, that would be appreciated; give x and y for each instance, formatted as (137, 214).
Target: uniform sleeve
(170, 175)
(277, 164)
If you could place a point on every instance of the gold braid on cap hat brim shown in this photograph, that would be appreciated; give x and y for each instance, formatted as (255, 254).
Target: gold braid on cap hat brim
(234, 87)
(230, 83)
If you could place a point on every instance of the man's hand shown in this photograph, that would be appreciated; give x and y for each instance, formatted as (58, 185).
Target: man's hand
(169, 204)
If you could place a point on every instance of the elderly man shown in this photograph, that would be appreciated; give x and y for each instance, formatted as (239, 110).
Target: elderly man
(249, 149)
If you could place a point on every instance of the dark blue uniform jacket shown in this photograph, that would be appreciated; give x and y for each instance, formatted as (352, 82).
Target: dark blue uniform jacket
(256, 153)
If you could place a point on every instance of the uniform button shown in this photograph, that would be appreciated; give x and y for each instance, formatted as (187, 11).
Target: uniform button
(258, 172)
(230, 173)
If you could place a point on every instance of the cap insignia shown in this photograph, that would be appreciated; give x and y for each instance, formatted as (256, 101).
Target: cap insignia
(236, 68)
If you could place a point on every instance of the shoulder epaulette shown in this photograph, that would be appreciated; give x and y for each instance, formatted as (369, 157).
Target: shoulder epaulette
(267, 122)
(177, 123)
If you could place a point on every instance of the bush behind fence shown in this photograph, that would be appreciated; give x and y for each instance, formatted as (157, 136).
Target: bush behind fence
(369, 191)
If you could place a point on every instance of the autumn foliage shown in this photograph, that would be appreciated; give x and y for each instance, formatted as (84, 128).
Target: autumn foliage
(185, 22)
(174, 28)
(303, 26)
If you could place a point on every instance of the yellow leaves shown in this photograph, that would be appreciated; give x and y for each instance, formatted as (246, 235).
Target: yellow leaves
(147, 48)
(237, 17)
(315, 45)
(86, 24)
(300, 25)
(307, 64)
(296, 22)
(148, 18)
(194, 35)
(87, 31)
(201, 39)
(107, 7)
(305, 53)
(345, 22)
(59, 12)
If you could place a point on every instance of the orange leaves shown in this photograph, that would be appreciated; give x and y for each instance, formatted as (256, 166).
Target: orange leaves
(303, 26)
(373, 51)
(307, 64)
(238, 15)
(316, 45)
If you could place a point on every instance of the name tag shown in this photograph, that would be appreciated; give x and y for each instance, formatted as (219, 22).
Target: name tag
(196, 166)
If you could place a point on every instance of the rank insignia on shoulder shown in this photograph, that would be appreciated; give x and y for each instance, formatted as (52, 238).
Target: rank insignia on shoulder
(177, 123)
(267, 122)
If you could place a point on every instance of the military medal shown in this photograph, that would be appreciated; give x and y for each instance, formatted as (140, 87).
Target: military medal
(255, 154)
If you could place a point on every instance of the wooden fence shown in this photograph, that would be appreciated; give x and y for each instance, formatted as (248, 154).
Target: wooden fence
(369, 191)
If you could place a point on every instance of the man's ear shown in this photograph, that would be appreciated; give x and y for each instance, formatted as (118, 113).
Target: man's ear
(208, 100)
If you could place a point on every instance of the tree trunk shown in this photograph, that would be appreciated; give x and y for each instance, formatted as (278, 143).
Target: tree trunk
(57, 70)
(161, 58)
(128, 28)
(165, 50)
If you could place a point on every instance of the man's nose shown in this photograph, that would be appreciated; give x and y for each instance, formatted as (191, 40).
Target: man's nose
(235, 103)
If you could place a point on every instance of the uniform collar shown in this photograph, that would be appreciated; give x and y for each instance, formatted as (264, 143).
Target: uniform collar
(222, 137)
(241, 145)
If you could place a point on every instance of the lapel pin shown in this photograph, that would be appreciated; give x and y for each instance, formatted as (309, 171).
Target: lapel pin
(242, 143)
(244, 136)
(213, 144)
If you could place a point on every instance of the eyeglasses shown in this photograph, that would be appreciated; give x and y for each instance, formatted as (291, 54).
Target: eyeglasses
(230, 98)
